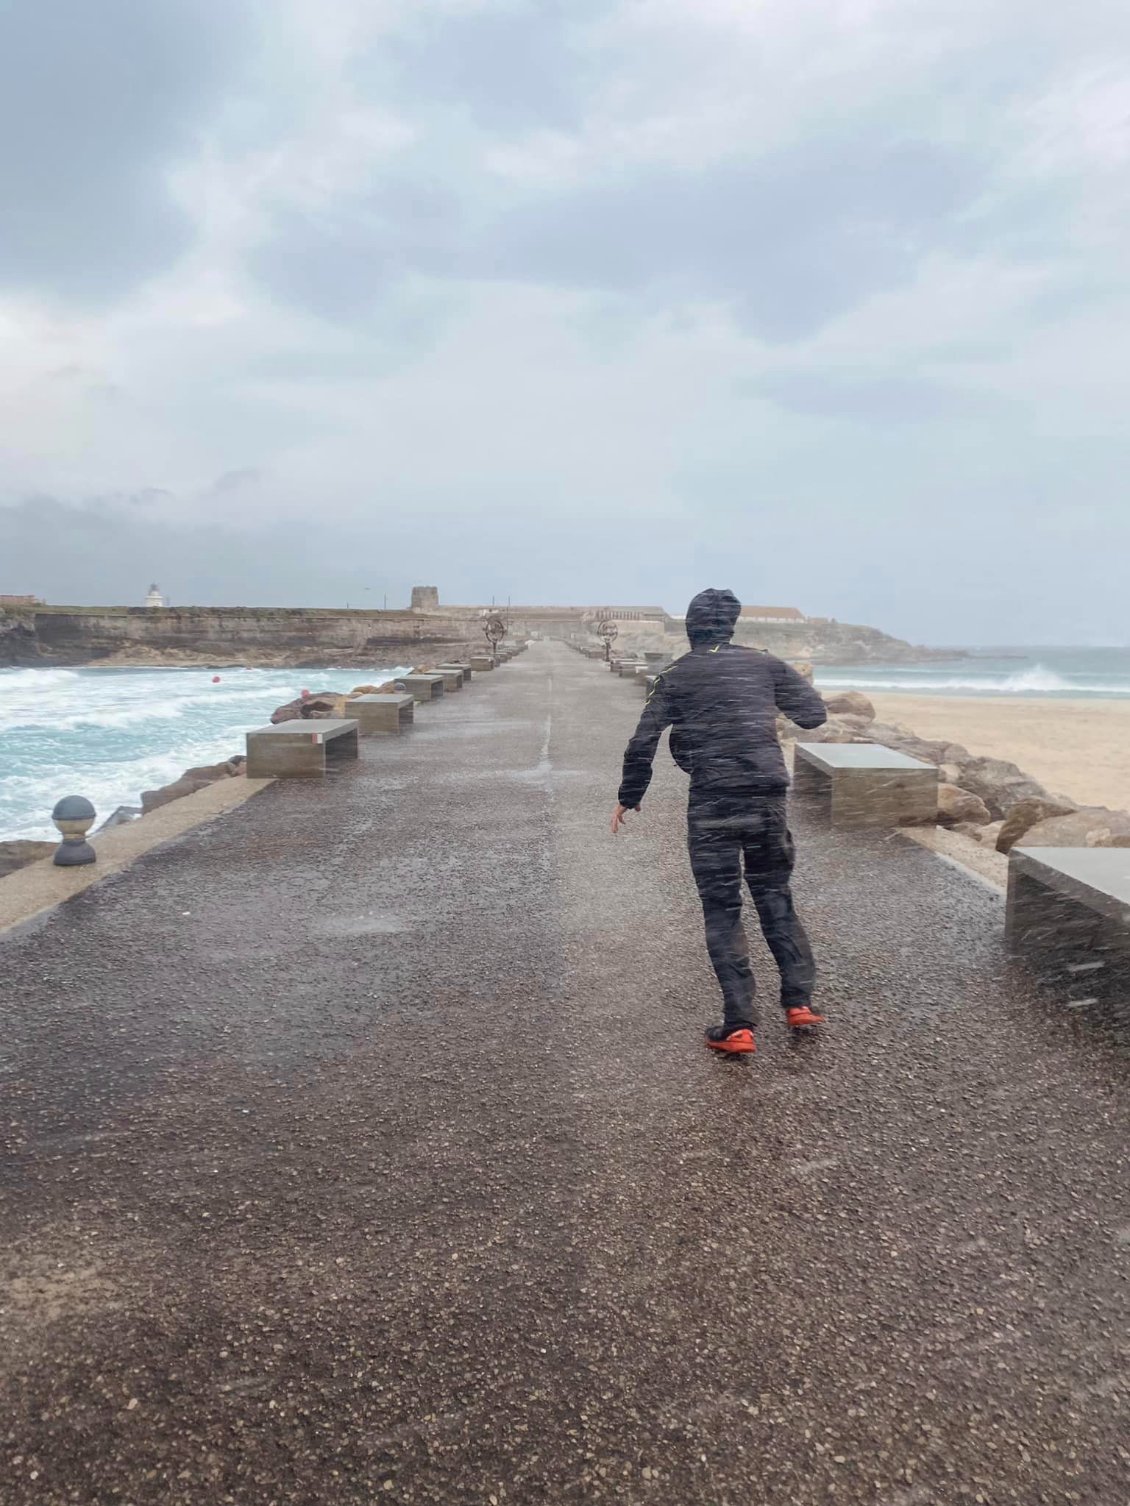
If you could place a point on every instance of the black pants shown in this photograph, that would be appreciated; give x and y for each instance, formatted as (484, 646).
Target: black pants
(729, 836)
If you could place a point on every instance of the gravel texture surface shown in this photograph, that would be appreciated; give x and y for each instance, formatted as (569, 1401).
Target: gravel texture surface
(362, 1147)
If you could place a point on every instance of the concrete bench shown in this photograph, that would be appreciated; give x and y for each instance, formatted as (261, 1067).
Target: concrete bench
(1069, 899)
(299, 749)
(383, 713)
(422, 688)
(464, 669)
(482, 663)
(867, 785)
(452, 678)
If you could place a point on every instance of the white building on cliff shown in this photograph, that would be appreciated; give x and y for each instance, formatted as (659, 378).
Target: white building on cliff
(155, 599)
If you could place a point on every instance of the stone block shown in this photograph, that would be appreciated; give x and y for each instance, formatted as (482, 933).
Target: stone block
(867, 785)
(298, 750)
(383, 714)
(464, 669)
(422, 688)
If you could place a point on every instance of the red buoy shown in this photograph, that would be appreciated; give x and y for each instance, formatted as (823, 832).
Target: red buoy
(215, 679)
(305, 695)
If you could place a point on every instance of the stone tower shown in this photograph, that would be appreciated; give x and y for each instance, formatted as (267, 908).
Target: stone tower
(425, 598)
(154, 599)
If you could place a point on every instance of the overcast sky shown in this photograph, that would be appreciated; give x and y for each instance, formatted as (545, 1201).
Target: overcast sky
(826, 301)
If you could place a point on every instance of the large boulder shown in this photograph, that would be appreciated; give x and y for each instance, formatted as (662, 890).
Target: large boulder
(1000, 784)
(834, 730)
(903, 740)
(955, 753)
(959, 806)
(968, 829)
(859, 725)
(191, 781)
(15, 855)
(209, 773)
(152, 800)
(1092, 826)
(121, 817)
(851, 703)
(325, 703)
(1028, 813)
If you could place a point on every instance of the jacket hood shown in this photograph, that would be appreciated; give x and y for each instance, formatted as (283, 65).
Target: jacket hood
(712, 617)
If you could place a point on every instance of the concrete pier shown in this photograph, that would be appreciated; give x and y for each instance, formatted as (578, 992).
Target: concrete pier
(301, 1205)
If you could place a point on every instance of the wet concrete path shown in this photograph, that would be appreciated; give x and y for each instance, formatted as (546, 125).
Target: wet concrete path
(361, 1147)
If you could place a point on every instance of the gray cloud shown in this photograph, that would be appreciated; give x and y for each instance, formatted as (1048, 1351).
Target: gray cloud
(569, 297)
(96, 100)
(510, 67)
(789, 241)
(355, 257)
(891, 398)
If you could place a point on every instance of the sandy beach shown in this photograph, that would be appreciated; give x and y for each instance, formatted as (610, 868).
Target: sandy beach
(1079, 748)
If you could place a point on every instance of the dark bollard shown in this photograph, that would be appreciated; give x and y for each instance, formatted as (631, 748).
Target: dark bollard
(74, 816)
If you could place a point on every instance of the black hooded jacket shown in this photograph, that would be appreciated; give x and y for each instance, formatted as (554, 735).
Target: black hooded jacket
(721, 702)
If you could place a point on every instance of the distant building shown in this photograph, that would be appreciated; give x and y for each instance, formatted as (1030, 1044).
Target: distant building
(425, 598)
(155, 599)
(20, 601)
(772, 614)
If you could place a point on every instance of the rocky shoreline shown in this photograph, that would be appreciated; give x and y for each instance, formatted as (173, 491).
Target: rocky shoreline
(988, 800)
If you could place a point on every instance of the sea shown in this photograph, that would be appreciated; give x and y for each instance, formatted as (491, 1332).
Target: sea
(111, 733)
(108, 734)
(1064, 673)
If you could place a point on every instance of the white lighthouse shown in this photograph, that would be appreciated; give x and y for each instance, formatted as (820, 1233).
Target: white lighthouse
(154, 599)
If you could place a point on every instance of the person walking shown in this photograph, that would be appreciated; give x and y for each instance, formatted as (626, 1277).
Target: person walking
(721, 702)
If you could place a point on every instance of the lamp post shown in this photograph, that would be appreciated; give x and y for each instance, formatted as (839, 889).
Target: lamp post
(74, 816)
(494, 628)
(609, 632)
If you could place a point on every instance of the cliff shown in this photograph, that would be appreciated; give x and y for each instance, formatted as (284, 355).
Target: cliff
(310, 636)
(813, 642)
(835, 643)
(221, 635)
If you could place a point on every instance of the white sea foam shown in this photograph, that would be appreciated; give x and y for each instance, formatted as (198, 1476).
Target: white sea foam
(1038, 680)
(110, 734)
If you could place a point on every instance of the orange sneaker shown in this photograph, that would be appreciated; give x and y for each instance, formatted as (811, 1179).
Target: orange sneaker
(802, 1018)
(736, 1039)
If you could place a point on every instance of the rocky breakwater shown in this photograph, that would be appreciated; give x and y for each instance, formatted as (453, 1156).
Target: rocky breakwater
(311, 706)
(988, 800)
(321, 705)
(19, 854)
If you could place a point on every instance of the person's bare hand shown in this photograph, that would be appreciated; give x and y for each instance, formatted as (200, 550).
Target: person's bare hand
(619, 818)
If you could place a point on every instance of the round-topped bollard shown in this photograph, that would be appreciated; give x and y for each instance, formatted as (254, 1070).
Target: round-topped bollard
(74, 816)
